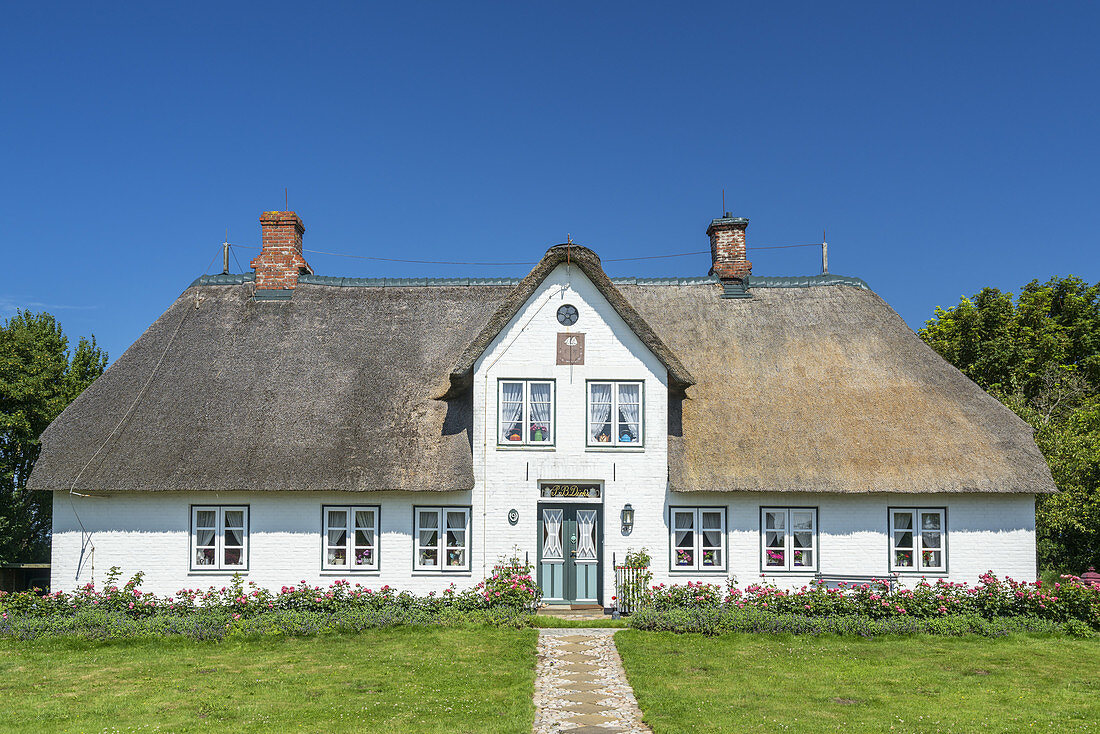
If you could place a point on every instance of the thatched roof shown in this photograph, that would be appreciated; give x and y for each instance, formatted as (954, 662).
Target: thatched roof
(826, 389)
(812, 384)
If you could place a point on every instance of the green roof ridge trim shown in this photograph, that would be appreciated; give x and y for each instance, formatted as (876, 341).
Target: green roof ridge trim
(752, 281)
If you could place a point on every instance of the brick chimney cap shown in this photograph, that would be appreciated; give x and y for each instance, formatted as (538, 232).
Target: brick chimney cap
(727, 222)
(275, 218)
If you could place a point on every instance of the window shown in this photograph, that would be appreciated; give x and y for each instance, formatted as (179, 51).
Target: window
(526, 413)
(442, 538)
(219, 538)
(789, 538)
(918, 539)
(351, 538)
(698, 538)
(615, 413)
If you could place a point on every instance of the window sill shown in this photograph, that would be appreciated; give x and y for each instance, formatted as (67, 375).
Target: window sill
(524, 447)
(608, 449)
(920, 573)
(441, 572)
(348, 572)
(709, 570)
(799, 572)
(216, 571)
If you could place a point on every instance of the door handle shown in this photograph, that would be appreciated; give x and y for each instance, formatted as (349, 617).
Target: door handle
(572, 554)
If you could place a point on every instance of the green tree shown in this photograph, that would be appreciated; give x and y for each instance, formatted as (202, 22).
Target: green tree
(1040, 355)
(38, 378)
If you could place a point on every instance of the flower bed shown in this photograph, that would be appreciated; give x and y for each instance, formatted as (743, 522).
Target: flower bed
(508, 597)
(1070, 603)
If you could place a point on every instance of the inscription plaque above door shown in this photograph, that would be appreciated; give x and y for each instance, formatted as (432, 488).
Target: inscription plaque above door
(570, 348)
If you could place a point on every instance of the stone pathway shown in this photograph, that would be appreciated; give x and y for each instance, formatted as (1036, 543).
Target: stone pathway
(580, 685)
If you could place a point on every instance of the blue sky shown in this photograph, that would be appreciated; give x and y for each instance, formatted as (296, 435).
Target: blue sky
(945, 147)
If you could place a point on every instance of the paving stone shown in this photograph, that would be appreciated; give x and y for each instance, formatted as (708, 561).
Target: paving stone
(592, 719)
(584, 678)
(580, 685)
(585, 697)
(577, 647)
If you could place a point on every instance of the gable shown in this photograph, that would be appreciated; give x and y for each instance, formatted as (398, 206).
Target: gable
(528, 344)
(587, 263)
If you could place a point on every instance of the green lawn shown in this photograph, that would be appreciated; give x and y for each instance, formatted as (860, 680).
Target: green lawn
(396, 680)
(736, 683)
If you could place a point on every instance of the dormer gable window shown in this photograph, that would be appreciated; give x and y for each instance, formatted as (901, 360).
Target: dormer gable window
(526, 413)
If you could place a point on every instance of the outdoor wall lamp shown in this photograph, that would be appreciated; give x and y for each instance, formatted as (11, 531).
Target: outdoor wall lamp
(627, 516)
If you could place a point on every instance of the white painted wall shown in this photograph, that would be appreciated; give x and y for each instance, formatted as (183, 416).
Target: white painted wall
(150, 532)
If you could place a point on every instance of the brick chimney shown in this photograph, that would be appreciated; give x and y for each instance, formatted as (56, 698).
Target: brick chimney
(280, 262)
(727, 248)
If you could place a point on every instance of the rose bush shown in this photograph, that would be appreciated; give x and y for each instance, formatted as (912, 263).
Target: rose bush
(1068, 600)
(509, 588)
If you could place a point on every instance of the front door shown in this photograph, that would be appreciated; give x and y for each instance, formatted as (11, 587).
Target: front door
(570, 543)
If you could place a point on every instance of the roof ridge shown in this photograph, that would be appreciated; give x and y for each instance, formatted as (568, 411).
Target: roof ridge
(752, 281)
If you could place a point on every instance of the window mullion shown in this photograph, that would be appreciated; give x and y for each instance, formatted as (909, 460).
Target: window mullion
(349, 541)
(526, 413)
(697, 520)
(614, 417)
(789, 540)
(219, 543)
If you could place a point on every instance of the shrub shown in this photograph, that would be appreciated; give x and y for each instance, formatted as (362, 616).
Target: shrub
(760, 621)
(239, 608)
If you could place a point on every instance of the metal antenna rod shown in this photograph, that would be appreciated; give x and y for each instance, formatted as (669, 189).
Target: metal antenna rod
(824, 254)
(286, 200)
(723, 201)
(225, 253)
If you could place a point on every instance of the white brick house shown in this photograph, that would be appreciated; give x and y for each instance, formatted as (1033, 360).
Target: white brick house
(289, 426)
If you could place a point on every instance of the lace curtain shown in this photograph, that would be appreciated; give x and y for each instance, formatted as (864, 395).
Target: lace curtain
(599, 419)
(551, 535)
(630, 400)
(586, 535)
(540, 412)
(511, 411)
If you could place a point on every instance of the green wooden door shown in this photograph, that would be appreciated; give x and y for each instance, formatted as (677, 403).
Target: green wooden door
(569, 553)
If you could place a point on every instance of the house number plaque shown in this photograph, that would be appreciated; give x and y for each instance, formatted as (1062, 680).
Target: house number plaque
(570, 348)
(571, 491)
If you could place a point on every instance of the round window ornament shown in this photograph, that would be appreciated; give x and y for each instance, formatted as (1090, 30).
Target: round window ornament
(513, 517)
(567, 315)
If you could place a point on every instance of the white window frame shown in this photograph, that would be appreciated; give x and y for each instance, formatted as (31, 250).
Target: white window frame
(525, 417)
(614, 417)
(788, 541)
(697, 548)
(219, 538)
(918, 549)
(350, 546)
(441, 547)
